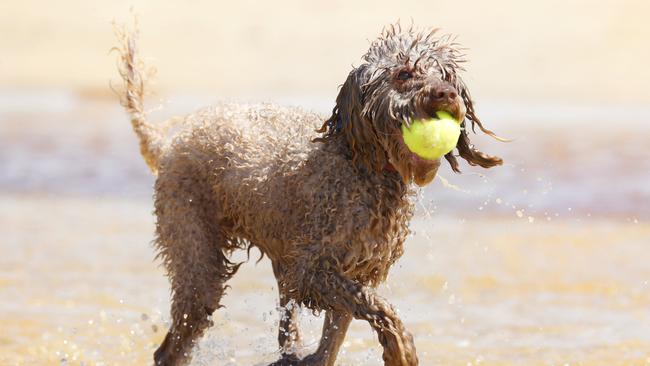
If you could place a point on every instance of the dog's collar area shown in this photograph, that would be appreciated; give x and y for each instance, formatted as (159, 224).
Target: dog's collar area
(389, 167)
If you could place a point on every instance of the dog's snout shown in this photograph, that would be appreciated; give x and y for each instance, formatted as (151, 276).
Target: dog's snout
(445, 93)
(442, 96)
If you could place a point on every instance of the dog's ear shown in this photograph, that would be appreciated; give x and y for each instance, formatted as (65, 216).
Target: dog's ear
(348, 119)
(465, 148)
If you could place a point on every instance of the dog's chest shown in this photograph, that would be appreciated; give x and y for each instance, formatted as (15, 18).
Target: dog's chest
(375, 236)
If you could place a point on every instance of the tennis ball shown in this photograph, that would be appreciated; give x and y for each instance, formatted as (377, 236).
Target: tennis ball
(432, 138)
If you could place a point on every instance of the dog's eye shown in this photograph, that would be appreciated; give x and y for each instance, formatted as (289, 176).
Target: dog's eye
(404, 75)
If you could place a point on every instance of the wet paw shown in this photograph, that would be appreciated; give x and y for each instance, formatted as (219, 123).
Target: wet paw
(287, 360)
(312, 360)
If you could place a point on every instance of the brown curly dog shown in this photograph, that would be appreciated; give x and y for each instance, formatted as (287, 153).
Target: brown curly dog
(331, 210)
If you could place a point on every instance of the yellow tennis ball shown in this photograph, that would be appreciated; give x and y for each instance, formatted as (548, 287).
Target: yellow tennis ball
(432, 138)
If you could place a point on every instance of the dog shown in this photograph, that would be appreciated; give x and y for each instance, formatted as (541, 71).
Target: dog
(327, 200)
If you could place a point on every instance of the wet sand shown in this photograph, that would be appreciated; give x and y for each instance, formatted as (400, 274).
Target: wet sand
(540, 262)
(543, 261)
(79, 286)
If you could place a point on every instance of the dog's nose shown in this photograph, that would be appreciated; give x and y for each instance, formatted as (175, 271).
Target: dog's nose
(445, 93)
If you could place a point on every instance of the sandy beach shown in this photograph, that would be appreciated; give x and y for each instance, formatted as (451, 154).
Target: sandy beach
(540, 262)
(80, 287)
(543, 261)
(559, 51)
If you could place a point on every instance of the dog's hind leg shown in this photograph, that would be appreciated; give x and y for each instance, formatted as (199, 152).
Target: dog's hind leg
(195, 253)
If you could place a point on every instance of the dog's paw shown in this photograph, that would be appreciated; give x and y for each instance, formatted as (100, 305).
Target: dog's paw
(312, 360)
(287, 360)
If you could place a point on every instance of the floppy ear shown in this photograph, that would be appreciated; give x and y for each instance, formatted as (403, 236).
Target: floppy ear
(357, 129)
(465, 148)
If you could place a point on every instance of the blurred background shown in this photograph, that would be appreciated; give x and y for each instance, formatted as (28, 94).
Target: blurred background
(543, 261)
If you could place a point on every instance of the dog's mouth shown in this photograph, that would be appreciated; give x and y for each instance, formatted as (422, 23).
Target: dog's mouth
(455, 113)
(409, 164)
(429, 108)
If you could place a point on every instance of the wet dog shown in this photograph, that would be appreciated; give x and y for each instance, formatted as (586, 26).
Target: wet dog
(328, 200)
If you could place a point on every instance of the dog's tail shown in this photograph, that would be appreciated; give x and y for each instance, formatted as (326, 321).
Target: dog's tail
(134, 74)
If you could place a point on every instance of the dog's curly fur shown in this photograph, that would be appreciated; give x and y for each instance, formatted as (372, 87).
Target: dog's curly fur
(331, 211)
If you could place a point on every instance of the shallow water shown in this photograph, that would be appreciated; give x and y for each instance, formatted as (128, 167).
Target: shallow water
(540, 262)
(79, 286)
(562, 159)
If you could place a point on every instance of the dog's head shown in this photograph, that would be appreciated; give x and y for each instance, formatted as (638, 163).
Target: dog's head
(405, 75)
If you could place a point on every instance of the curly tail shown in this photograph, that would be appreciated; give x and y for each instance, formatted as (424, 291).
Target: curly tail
(134, 75)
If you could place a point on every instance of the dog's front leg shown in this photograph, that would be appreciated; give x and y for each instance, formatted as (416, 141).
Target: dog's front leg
(289, 337)
(334, 329)
(346, 296)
